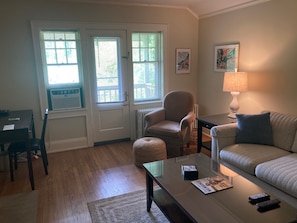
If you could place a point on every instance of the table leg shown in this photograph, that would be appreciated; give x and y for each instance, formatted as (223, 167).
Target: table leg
(199, 137)
(149, 192)
(33, 130)
(29, 161)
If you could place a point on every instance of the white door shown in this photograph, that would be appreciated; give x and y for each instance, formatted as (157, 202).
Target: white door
(110, 102)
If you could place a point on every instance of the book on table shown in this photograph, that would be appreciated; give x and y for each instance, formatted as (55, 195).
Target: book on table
(211, 184)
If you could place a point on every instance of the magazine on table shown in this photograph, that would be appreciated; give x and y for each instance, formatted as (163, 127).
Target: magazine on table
(211, 184)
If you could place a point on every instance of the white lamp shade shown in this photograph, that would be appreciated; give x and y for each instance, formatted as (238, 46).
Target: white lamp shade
(235, 82)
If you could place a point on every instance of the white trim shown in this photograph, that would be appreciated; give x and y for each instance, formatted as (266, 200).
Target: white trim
(188, 8)
(234, 8)
(84, 29)
(112, 2)
(66, 145)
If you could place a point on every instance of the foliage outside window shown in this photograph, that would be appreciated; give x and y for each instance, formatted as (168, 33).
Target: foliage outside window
(147, 66)
(61, 59)
(107, 69)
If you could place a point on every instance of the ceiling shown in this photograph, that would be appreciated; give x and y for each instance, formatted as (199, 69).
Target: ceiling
(199, 8)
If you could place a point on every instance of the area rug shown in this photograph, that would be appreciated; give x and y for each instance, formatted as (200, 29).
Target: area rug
(19, 207)
(126, 208)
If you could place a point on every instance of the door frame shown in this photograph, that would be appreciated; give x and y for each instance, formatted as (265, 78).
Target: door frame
(129, 28)
(110, 121)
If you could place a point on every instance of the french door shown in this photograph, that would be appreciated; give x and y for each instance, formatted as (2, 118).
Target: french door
(110, 98)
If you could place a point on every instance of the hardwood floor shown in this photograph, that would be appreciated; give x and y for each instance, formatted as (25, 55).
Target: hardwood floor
(78, 177)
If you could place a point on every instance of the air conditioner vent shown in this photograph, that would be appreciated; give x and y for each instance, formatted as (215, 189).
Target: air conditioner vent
(67, 98)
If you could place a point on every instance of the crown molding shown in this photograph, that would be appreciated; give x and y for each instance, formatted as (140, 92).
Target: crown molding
(234, 8)
(195, 14)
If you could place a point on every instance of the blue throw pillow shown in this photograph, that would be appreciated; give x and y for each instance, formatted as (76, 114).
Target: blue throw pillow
(254, 129)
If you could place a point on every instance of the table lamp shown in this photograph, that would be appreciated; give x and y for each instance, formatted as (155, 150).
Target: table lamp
(235, 82)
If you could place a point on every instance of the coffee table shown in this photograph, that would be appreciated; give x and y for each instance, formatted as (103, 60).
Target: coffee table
(180, 201)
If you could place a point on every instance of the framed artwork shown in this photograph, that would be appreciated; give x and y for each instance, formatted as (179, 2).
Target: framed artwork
(183, 61)
(226, 57)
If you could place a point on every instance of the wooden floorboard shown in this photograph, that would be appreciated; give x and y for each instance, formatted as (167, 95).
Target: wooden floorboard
(78, 177)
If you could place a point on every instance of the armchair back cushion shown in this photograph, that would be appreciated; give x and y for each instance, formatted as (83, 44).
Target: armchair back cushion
(177, 105)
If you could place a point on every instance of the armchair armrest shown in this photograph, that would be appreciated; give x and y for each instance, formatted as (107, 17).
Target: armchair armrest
(222, 136)
(187, 120)
(154, 117)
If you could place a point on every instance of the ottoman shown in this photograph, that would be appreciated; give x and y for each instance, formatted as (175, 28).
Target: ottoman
(148, 149)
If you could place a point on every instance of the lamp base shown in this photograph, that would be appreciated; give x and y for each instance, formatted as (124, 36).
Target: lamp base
(232, 115)
(234, 106)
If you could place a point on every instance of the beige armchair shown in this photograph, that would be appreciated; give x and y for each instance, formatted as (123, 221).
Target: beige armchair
(173, 122)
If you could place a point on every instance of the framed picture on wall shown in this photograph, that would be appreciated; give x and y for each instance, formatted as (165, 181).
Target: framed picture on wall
(226, 57)
(183, 61)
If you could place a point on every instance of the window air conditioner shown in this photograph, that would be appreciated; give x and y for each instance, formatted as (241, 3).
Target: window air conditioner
(67, 98)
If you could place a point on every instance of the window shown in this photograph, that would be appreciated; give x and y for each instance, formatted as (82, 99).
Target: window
(147, 66)
(61, 68)
(107, 69)
(60, 57)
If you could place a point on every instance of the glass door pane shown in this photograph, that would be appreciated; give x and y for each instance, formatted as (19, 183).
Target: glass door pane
(110, 107)
(108, 77)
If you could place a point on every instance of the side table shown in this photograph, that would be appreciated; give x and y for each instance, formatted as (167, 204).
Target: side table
(208, 122)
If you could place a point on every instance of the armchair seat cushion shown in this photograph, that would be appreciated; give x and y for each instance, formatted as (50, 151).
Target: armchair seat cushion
(165, 128)
(248, 156)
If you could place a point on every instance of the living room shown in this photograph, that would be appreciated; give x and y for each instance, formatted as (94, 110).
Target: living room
(266, 33)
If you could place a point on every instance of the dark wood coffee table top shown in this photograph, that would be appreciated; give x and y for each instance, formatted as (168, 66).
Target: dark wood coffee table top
(189, 204)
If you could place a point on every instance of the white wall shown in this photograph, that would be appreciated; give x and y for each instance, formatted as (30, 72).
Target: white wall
(268, 42)
(18, 85)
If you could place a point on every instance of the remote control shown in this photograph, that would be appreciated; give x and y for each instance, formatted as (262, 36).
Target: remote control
(268, 205)
(257, 198)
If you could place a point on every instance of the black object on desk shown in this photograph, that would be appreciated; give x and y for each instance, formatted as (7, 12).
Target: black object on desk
(4, 112)
(208, 122)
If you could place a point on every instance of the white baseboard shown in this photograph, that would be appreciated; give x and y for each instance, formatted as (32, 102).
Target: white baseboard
(66, 145)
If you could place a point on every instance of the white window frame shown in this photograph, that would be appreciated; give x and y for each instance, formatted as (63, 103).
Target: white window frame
(164, 68)
(159, 68)
(47, 65)
(83, 28)
(41, 67)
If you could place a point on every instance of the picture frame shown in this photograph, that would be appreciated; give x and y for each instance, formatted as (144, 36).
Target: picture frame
(183, 61)
(226, 57)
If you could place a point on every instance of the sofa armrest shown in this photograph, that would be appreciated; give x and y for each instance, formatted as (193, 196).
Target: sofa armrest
(222, 136)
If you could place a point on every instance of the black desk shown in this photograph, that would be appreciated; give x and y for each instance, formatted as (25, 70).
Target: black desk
(22, 120)
(208, 122)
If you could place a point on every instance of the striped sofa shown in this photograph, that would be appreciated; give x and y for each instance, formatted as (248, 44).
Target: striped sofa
(274, 167)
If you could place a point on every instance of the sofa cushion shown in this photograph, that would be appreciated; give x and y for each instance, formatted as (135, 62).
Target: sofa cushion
(294, 146)
(254, 129)
(284, 129)
(281, 173)
(247, 156)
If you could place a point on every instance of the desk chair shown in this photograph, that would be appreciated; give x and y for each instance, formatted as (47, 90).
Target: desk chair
(33, 145)
(16, 137)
